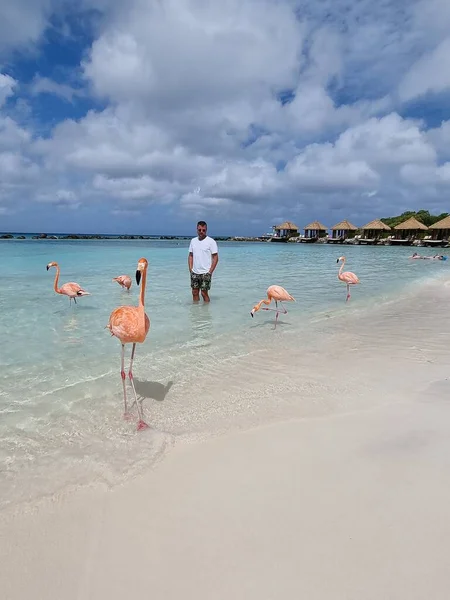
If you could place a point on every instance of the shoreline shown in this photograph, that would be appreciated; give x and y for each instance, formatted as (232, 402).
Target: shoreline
(236, 239)
(257, 379)
(336, 372)
(68, 237)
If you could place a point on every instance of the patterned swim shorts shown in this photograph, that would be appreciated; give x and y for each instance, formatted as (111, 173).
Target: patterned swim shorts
(201, 281)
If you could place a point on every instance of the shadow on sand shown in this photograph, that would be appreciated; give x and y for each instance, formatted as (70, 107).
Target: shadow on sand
(152, 389)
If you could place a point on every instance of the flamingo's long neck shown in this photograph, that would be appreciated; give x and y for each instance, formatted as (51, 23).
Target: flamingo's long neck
(141, 305)
(264, 301)
(55, 283)
(342, 267)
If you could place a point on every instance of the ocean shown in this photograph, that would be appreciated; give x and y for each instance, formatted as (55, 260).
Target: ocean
(203, 370)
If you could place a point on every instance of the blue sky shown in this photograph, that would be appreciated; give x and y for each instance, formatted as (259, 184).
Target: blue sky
(146, 117)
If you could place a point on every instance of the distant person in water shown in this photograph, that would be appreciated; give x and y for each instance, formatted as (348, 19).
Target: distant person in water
(436, 256)
(202, 261)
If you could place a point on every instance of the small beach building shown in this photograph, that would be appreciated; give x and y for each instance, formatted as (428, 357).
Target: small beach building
(409, 230)
(343, 230)
(374, 230)
(441, 229)
(315, 230)
(285, 230)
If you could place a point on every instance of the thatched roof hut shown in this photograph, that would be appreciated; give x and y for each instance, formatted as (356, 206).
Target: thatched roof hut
(410, 228)
(411, 224)
(317, 225)
(374, 230)
(441, 229)
(284, 231)
(442, 224)
(343, 229)
(287, 225)
(376, 225)
(315, 229)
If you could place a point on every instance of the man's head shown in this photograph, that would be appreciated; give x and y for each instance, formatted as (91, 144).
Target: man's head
(202, 229)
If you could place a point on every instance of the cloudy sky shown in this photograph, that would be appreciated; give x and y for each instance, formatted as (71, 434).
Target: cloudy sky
(146, 117)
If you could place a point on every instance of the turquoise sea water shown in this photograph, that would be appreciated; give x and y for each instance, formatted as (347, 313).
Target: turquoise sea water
(61, 394)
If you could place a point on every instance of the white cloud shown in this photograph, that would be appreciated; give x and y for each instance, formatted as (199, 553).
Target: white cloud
(242, 181)
(390, 140)
(44, 85)
(431, 73)
(194, 202)
(22, 23)
(194, 119)
(60, 198)
(427, 174)
(7, 85)
(12, 136)
(439, 138)
(185, 53)
(317, 170)
(136, 190)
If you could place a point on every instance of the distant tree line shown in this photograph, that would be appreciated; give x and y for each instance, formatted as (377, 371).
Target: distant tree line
(422, 215)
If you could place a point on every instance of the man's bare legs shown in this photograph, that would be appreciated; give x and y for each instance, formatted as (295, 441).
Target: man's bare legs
(196, 295)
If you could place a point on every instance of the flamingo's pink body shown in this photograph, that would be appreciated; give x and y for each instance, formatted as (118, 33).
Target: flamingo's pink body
(71, 289)
(131, 324)
(347, 277)
(279, 295)
(124, 281)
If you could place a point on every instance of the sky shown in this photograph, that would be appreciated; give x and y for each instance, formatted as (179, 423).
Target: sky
(146, 116)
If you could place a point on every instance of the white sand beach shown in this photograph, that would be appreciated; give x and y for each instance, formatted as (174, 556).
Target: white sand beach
(347, 500)
(346, 507)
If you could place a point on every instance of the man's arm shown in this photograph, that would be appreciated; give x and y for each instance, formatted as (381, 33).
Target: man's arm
(190, 261)
(214, 261)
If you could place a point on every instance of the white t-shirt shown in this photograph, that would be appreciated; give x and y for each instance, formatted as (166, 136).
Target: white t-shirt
(202, 251)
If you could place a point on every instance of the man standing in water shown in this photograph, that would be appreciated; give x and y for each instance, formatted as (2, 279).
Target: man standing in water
(202, 260)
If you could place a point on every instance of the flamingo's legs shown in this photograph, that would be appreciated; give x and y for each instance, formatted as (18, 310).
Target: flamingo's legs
(126, 414)
(348, 292)
(141, 423)
(277, 310)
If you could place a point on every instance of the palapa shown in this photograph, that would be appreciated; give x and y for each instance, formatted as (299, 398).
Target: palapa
(287, 225)
(412, 224)
(315, 226)
(344, 226)
(442, 224)
(376, 225)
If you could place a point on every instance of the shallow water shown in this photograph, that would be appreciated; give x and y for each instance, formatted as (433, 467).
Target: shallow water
(202, 369)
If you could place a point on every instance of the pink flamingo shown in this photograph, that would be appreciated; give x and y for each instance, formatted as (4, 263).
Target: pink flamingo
(277, 293)
(131, 324)
(71, 289)
(347, 277)
(124, 281)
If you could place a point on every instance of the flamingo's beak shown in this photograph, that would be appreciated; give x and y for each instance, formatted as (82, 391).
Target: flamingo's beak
(252, 312)
(47, 267)
(138, 277)
(337, 260)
